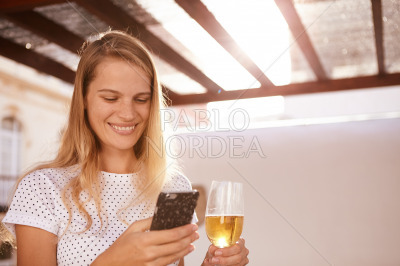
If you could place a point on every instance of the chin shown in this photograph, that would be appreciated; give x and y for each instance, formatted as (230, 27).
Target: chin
(123, 145)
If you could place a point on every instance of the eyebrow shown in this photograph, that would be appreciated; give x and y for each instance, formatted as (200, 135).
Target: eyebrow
(117, 92)
(109, 90)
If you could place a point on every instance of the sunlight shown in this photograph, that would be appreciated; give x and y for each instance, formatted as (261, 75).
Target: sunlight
(222, 242)
(206, 53)
(256, 25)
(260, 30)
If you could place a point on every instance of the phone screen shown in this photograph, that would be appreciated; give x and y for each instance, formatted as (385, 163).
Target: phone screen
(174, 209)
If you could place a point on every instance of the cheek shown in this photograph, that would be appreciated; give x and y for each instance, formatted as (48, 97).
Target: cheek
(145, 113)
(91, 112)
(96, 114)
(146, 116)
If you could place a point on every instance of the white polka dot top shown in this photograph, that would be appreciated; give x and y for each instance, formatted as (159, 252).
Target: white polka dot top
(37, 202)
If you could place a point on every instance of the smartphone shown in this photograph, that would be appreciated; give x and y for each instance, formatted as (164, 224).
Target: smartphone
(174, 209)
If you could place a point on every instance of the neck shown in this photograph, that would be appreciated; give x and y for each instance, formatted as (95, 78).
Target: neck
(117, 161)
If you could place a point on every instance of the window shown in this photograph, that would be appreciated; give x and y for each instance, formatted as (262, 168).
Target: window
(10, 155)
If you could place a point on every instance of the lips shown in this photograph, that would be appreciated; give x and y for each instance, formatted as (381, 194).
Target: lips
(123, 129)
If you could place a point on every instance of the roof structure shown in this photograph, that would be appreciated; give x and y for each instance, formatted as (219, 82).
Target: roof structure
(220, 50)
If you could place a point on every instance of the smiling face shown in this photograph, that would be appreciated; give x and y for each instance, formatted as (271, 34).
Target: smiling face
(118, 104)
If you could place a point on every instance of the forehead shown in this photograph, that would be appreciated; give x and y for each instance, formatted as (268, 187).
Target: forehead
(117, 73)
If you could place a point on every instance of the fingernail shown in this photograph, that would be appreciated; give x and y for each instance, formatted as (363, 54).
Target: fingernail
(195, 227)
(191, 248)
(214, 260)
(218, 253)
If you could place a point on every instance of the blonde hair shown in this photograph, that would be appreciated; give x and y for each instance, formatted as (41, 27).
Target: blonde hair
(80, 146)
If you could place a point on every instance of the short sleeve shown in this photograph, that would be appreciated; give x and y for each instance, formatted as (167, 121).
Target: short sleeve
(33, 204)
(177, 182)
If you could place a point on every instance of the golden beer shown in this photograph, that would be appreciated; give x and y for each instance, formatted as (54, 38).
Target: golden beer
(224, 231)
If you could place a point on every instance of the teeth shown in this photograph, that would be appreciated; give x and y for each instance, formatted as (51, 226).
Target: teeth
(123, 128)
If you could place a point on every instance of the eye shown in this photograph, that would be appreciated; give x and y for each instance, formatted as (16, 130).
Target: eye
(142, 100)
(110, 99)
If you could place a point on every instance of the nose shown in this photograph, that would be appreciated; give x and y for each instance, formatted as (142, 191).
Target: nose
(126, 110)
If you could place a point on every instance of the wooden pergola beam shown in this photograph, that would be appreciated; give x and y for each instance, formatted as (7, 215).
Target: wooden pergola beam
(300, 35)
(199, 12)
(292, 89)
(23, 5)
(117, 18)
(35, 60)
(168, 95)
(378, 27)
(47, 29)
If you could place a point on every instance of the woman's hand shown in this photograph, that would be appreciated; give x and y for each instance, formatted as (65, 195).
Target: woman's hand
(138, 247)
(233, 255)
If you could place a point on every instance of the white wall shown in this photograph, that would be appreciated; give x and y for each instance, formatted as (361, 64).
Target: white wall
(323, 195)
(41, 111)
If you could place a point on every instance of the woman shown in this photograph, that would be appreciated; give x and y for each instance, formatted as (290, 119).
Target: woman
(93, 204)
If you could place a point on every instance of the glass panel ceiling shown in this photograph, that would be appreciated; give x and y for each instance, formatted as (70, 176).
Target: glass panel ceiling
(169, 76)
(82, 23)
(209, 56)
(175, 80)
(300, 71)
(9, 31)
(74, 18)
(342, 33)
(261, 31)
(391, 34)
(31, 41)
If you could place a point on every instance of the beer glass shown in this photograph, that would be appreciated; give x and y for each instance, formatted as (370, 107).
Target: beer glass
(224, 213)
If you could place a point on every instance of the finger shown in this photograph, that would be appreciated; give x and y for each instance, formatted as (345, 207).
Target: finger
(170, 235)
(234, 255)
(174, 257)
(174, 247)
(207, 262)
(211, 250)
(141, 225)
(230, 251)
(209, 255)
(237, 259)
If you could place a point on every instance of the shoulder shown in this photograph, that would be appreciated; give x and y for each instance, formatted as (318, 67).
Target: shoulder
(177, 182)
(49, 177)
(37, 201)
